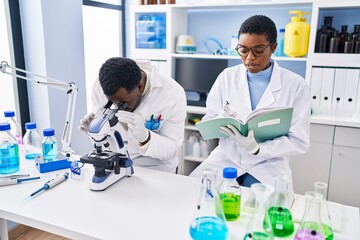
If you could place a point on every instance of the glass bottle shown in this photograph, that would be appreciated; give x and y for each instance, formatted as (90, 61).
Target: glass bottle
(32, 141)
(259, 227)
(280, 47)
(321, 188)
(49, 145)
(321, 40)
(9, 151)
(230, 194)
(311, 227)
(344, 36)
(209, 220)
(15, 126)
(279, 208)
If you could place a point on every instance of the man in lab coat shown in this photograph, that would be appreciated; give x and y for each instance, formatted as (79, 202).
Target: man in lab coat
(153, 115)
(258, 83)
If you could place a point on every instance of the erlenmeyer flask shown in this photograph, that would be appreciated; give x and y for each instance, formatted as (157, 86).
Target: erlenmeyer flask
(311, 227)
(321, 188)
(259, 227)
(209, 221)
(279, 208)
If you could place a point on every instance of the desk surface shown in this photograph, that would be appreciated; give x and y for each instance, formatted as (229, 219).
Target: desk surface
(149, 205)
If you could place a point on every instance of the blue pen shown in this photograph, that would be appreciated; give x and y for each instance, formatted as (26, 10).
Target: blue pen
(52, 183)
(16, 181)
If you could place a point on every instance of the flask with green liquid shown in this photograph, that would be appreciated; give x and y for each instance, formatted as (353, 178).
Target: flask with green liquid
(321, 188)
(279, 208)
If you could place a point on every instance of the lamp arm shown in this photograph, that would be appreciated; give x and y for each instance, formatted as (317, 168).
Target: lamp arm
(70, 89)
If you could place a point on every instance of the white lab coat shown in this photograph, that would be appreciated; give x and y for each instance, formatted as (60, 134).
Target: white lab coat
(165, 97)
(286, 89)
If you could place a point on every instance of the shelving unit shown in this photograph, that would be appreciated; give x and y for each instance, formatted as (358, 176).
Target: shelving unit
(222, 21)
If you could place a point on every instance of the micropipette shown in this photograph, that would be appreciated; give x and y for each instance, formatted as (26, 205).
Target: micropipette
(12, 181)
(52, 183)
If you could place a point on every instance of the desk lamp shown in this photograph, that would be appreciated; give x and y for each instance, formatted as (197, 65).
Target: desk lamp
(70, 89)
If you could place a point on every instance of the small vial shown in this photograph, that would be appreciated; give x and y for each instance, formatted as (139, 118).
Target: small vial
(32, 141)
(230, 194)
(9, 151)
(49, 145)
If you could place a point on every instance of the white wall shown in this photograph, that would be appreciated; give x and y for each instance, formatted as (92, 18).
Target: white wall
(53, 47)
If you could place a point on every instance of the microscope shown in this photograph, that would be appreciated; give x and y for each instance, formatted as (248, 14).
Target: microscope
(109, 157)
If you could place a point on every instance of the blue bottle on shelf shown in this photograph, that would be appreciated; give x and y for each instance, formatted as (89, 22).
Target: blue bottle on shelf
(49, 145)
(9, 150)
(280, 47)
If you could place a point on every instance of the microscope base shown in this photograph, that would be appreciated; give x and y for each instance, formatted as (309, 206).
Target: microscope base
(100, 184)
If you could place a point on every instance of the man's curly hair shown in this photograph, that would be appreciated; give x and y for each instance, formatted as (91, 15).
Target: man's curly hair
(261, 25)
(118, 73)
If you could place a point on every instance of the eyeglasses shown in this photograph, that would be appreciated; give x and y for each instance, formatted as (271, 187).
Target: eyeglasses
(257, 51)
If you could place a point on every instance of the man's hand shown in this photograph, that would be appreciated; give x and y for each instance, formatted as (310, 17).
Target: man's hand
(136, 125)
(249, 142)
(84, 123)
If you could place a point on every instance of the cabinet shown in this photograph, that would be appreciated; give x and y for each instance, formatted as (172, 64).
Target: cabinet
(221, 21)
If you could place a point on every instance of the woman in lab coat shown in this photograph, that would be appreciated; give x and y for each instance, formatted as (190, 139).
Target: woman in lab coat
(152, 124)
(258, 83)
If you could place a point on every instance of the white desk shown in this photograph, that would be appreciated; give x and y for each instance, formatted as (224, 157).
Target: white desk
(148, 205)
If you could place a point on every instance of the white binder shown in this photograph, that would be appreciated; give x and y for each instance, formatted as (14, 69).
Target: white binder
(327, 85)
(315, 89)
(351, 92)
(340, 82)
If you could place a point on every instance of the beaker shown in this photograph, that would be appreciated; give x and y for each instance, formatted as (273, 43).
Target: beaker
(279, 208)
(259, 227)
(209, 220)
(311, 227)
(321, 188)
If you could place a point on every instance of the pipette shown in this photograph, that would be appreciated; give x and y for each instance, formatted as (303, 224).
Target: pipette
(52, 183)
(12, 181)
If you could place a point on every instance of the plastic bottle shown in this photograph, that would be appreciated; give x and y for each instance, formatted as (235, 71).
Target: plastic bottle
(280, 47)
(196, 149)
(189, 145)
(230, 194)
(297, 34)
(204, 149)
(32, 141)
(49, 145)
(209, 220)
(9, 151)
(15, 126)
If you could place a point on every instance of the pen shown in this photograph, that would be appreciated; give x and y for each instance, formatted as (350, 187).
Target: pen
(16, 181)
(159, 118)
(52, 183)
(152, 117)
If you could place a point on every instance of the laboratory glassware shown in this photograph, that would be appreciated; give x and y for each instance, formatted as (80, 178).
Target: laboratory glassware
(32, 141)
(259, 227)
(15, 126)
(279, 208)
(9, 150)
(49, 145)
(311, 227)
(230, 194)
(321, 188)
(209, 220)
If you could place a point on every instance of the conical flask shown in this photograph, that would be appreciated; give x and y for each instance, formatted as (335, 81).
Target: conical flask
(311, 227)
(321, 188)
(259, 227)
(279, 208)
(209, 220)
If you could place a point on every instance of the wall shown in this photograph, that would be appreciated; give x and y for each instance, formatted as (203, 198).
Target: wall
(53, 46)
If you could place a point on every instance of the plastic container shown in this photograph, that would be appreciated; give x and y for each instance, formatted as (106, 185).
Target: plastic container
(297, 34)
(280, 47)
(32, 141)
(9, 151)
(49, 145)
(151, 32)
(15, 126)
(230, 194)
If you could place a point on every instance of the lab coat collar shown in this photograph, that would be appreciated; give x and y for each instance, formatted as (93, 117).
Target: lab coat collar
(151, 71)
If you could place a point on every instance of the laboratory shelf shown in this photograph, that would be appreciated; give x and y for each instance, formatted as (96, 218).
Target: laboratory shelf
(195, 109)
(193, 159)
(334, 59)
(230, 57)
(191, 127)
(336, 120)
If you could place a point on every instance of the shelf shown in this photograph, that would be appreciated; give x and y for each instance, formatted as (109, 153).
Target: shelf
(230, 57)
(335, 59)
(193, 159)
(196, 110)
(191, 127)
(337, 121)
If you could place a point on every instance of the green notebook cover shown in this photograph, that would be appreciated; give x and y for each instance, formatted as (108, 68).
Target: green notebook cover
(267, 124)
